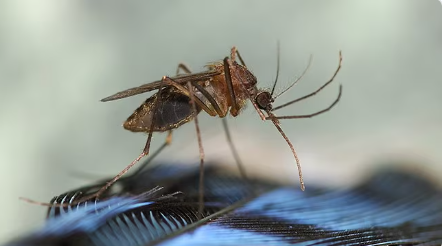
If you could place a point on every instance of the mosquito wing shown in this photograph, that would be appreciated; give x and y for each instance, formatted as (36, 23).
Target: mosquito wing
(181, 79)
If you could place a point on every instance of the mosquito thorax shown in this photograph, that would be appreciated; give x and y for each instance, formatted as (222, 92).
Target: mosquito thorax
(247, 78)
(264, 100)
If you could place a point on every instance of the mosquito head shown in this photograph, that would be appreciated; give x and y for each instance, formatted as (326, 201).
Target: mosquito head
(264, 100)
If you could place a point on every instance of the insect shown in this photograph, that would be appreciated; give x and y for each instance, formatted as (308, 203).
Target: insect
(224, 88)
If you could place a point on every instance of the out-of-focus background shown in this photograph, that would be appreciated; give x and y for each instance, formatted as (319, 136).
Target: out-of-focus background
(59, 58)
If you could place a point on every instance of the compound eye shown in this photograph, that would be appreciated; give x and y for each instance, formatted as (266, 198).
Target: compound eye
(264, 100)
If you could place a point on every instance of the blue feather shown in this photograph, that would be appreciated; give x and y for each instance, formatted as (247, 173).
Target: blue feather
(391, 208)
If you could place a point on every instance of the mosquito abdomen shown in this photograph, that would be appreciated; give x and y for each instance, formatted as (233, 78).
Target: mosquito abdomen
(173, 110)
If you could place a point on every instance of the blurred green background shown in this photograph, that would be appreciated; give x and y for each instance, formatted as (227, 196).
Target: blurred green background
(59, 58)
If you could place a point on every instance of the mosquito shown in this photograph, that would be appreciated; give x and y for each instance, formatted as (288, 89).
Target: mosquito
(225, 87)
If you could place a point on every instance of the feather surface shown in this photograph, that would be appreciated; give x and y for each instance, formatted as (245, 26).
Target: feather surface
(391, 208)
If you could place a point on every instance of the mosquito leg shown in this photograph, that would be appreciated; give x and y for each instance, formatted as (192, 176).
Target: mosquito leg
(97, 194)
(201, 89)
(314, 114)
(144, 153)
(315, 92)
(239, 164)
(210, 98)
(119, 175)
(233, 53)
(226, 130)
(228, 78)
(155, 154)
(200, 145)
(128, 167)
(169, 138)
(186, 92)
(184, 68)
(168, 141)
(201, 150)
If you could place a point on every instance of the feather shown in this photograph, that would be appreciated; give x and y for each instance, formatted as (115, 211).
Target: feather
(87, 217)
(390, 208)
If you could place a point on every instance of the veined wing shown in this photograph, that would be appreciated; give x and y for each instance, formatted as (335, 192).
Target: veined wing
(181, 79)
